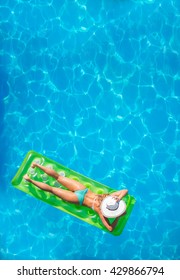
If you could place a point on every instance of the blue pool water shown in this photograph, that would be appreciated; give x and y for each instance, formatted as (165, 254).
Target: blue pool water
(94, 85)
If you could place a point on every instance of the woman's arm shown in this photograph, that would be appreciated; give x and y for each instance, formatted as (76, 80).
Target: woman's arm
(115, 223)
(105, 221)
(119, 194)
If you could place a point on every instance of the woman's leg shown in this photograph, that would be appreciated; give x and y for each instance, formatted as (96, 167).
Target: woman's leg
(63, 194)
(47, 170)
(71, 184)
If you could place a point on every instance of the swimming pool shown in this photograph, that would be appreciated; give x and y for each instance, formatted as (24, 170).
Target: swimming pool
(96, 87)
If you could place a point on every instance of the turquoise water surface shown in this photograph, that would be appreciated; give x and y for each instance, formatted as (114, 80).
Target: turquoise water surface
(94, 85)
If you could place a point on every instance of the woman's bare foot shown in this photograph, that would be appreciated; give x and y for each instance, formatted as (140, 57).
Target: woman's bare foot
(27, 178)
(34, 164)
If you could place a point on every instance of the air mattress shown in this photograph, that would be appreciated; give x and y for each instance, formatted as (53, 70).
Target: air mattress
(82, 212)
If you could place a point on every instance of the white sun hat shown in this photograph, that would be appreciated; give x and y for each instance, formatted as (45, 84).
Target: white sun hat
(111, 208)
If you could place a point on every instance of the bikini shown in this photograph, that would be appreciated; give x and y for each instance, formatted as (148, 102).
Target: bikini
(80, 195)
(94, 201)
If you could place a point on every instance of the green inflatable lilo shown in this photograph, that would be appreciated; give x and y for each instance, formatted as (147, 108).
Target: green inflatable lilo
(80, 211)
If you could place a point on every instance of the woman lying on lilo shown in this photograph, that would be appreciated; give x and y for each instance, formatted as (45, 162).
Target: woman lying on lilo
(106, 205)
